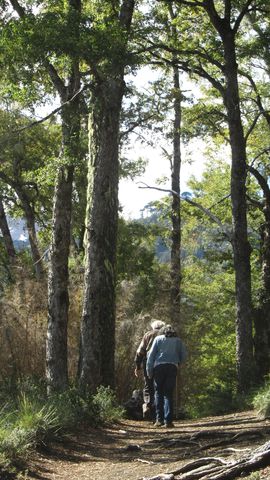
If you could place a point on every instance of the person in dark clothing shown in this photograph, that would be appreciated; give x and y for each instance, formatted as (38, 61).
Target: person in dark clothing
(140, 362)
(163, 359)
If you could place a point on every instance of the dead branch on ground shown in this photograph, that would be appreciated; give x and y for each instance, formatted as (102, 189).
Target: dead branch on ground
(215, 468)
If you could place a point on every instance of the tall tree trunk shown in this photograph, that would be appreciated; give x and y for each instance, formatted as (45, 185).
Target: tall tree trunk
(8, 242)
(241, 247)
(96, 365)
(262, 314)
(98, 320)
(265, 298)
(176, 204)
(58, 278)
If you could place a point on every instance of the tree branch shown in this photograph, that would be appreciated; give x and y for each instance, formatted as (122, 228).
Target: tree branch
(18, 8)
(194, 204)
(240, 17)
(53, 112)
(262, 182)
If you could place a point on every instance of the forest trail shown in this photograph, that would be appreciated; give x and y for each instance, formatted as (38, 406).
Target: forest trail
(133, 450)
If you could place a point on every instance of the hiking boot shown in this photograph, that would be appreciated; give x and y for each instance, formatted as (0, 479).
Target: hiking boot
(158, 424)
(169, 425)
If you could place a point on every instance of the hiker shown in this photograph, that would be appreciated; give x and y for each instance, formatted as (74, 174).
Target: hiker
(166, 353)
(140, 361)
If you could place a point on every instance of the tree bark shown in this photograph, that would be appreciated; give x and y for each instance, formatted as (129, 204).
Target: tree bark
(262, 314)
(98, 320)
(96, 364)
(241, 247)
(176, 205)
(8, 242)
(58, 278)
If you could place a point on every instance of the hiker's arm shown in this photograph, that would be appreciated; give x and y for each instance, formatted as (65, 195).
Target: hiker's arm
(151, 359)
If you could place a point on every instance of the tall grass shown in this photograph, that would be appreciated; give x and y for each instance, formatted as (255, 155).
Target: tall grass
(30, 419)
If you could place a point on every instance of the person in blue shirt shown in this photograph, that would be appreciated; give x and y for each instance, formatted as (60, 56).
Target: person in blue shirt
(166, 353)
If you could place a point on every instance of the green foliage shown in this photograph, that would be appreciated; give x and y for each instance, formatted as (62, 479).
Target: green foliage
(30, 418)
(105, 402)
(23, 426)
(254, 476)
(261, 400)
(208, 310)
(5, 269)
(136, 250)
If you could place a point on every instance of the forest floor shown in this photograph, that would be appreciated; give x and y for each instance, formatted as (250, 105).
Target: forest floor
(133, 450)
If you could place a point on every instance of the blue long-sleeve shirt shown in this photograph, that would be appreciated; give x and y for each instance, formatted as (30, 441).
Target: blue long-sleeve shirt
(165, 350)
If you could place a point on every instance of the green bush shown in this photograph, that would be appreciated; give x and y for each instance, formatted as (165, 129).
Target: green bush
(31, 419)
(23, 428)
(74, 408)
(261, 400)
(105, 402)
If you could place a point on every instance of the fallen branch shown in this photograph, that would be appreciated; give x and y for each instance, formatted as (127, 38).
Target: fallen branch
(212, 468)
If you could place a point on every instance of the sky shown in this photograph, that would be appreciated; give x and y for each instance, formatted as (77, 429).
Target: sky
(133, 199)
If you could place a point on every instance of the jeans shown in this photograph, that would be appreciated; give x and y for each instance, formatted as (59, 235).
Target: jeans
(148, 388)
(164, 382)
(148, 396)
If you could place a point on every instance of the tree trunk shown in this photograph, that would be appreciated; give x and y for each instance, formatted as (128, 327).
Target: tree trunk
(58, 278)
(262, 314)
(241, 247)
(176, 204)
(8, 242)
(96, 364)
(98, 320)
(58, 298)
(31, 229)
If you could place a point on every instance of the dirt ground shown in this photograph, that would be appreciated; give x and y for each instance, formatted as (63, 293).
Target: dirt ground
(134, 450)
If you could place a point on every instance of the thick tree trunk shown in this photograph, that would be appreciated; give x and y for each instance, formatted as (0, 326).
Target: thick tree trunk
(96, 364)
(175, 212)
(262, 314)
(98, 320)
(265, 299)
(241, 247)
(8, 242)
(58, 278)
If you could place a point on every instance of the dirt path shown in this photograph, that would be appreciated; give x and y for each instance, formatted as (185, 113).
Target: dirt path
(137, 450)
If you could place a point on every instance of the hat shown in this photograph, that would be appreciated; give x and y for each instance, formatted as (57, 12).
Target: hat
(157, 324)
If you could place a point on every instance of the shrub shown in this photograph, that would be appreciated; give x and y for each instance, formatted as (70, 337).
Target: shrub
(30, 419)
(261, 400)
(105, 402)
(74, 408)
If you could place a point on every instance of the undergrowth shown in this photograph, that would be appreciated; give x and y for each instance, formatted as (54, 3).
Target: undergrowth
(30, 419)
(261, 400)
